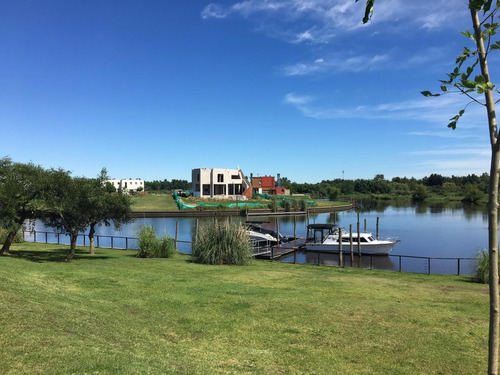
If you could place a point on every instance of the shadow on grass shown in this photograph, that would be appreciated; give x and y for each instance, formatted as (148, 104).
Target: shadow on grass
(53, 255)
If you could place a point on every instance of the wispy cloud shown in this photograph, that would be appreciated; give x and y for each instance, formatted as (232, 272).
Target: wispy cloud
(425, 109)
(465, 151)
(337, 64)
(319, 21)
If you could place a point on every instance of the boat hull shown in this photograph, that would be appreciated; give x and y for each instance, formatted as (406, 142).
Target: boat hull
(383, 248)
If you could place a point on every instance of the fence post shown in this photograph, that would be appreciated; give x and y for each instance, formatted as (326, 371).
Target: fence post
(359, 247)
(377, 225)
(319, 257)
(58, 238)
(294, 227)
(341, 261)
(351, 245)
(97, 241)
(278, 231)
(34, 236)
(126, 243)
(400, 264)
(428, 266)
(294, 256)
(365, 226)
(176, 234)
(46, 237)
(458, 267)
(112, 242)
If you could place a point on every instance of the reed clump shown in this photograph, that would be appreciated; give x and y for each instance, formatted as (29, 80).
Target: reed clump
(221, 242)
(482, 266)
(150, 246)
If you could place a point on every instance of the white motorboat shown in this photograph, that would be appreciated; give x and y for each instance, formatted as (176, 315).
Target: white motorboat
(261, 239)
(259, 236)
(329, 240)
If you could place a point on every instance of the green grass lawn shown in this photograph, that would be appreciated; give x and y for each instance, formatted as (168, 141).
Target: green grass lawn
(112, 313)
(153, 202)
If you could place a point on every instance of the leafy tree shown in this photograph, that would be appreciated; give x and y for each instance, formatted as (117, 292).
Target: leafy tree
(471, 77)
(105, 208)
(22, 187)
(472, 194)
(420, 193)
(74, 204)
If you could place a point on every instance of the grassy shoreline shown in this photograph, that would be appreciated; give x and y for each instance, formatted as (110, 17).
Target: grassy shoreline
(166, 203)
(113, 313)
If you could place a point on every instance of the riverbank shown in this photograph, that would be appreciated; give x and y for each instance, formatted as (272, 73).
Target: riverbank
(163, 205)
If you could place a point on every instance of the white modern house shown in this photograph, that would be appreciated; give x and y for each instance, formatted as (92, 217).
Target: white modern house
(220, 183)
(128, 185)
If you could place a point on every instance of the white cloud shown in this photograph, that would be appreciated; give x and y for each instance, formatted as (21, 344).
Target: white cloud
(337, 64)
(478, 150)
(327, 19)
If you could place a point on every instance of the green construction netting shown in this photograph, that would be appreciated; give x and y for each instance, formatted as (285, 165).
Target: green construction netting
(183, 206)
(282, 198)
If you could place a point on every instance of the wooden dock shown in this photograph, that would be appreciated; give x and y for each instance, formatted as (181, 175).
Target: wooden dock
(275, 252)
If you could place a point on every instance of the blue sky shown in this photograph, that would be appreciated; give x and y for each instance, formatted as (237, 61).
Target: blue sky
(152, 89)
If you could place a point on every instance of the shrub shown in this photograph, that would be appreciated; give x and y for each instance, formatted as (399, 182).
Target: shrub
(273, 204)
(303, 205)
(150, 246)
(482, 266)
(17, 239)
(222, 243)
(286, 204)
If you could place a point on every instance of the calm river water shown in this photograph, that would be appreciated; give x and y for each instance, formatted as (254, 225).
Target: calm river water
(436, 231)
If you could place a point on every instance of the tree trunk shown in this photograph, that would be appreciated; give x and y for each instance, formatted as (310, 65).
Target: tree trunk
(8, 241)
(91, 239)
(72, 248)
(492, 203)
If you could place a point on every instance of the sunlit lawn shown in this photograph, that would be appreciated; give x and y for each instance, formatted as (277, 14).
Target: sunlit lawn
(113, 313)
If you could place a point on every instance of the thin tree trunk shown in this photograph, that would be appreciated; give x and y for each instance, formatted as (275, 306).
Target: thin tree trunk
(492, 204)
(91, 239)
(72, 248)
(8, 241)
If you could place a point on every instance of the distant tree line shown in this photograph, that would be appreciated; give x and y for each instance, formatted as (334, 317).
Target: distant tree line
(469, 188)
(70, 205)
(167, 186)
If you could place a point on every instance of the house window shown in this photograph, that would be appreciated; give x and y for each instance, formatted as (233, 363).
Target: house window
(220, 177)
(235, 177)
(230, 189)
(219, 189)
(206, 189)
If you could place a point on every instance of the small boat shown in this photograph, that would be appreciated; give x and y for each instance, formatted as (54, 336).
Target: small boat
(260, 236)
(325, 237)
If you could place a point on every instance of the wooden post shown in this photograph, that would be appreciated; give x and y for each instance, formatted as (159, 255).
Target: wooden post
(294, 227)
(176, 234)
(365, 226)
(46, 237)
(278, 231)
(196, 229)
(377, 225)
(341, 260)
(294, 256)
(112, 242)
(351, 244)
(359, 247)
(34, 236)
